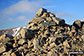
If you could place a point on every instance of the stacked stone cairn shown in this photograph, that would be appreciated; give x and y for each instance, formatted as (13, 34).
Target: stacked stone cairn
(45, 35)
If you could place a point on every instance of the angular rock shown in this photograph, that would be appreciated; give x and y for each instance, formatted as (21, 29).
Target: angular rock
(37, 20)
(21, 41)
(82, 37)
(3, 36)
(23, 32)
(29, 34)
(7, 53)
(42, 41)
(83, 27)
(51, 15)
(44, 14)
(52, 24)
(49, 19)
(45, 35)
(77, 24)
(36, 44)
(52, 45)
(45, 23)
(65, 43)
(13, 54)
(52, 54)
(26, 33)
(40, 12)
(4, 39)
(2, 49)
(58, 21)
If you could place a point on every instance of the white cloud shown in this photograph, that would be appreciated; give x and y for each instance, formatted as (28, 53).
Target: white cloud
(10, 19)
(63, 14)
(21, 18)
(23, 6)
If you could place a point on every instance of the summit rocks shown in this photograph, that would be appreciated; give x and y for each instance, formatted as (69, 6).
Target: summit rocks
(40, 12)
(44, 35)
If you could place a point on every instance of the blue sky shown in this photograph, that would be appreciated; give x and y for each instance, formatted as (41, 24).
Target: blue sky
(15, 13)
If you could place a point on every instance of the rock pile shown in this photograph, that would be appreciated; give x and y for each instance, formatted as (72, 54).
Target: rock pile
(45, 35)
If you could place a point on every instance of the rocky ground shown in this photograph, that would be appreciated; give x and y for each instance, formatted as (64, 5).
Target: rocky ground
(45, 35)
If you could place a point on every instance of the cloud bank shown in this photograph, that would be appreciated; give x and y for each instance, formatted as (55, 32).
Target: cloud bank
(22, 6)
(63, 14)
(21, 18)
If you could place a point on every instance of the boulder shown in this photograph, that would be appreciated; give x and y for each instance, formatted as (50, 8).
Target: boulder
(21, 41)
(51, 15)
(40, 12)
(2, 49)
(36, 44)
(77, 24)
(22, 33)
(58, 21)
(4, 39)
(45, 35)
(27, 33)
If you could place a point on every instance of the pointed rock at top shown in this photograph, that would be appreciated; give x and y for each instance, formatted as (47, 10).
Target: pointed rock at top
(40, 12)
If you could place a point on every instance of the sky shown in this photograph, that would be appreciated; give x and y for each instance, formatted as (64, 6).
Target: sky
(17, 13)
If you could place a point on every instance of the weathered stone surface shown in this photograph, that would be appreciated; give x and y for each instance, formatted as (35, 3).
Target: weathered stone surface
(82, 37)
(27, 54)
(44, 14)
(7, 53)
(45, 23)
(36, 44)
(4, 39)
(51, 15)
(77, 23)
(3, 36)
(45, 35)
(21, 41)
(13, 54)
(40, 12)
(58, 21)
(52, 54)
(37, 20)
(29, 34)
(2, 49)
(23, 32)
(83, 27)
(52, 23)
(49, 19)
(65, 43)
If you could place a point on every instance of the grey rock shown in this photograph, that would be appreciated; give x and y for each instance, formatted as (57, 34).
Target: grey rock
(45, 23)
(52, 24)
(42, 41)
